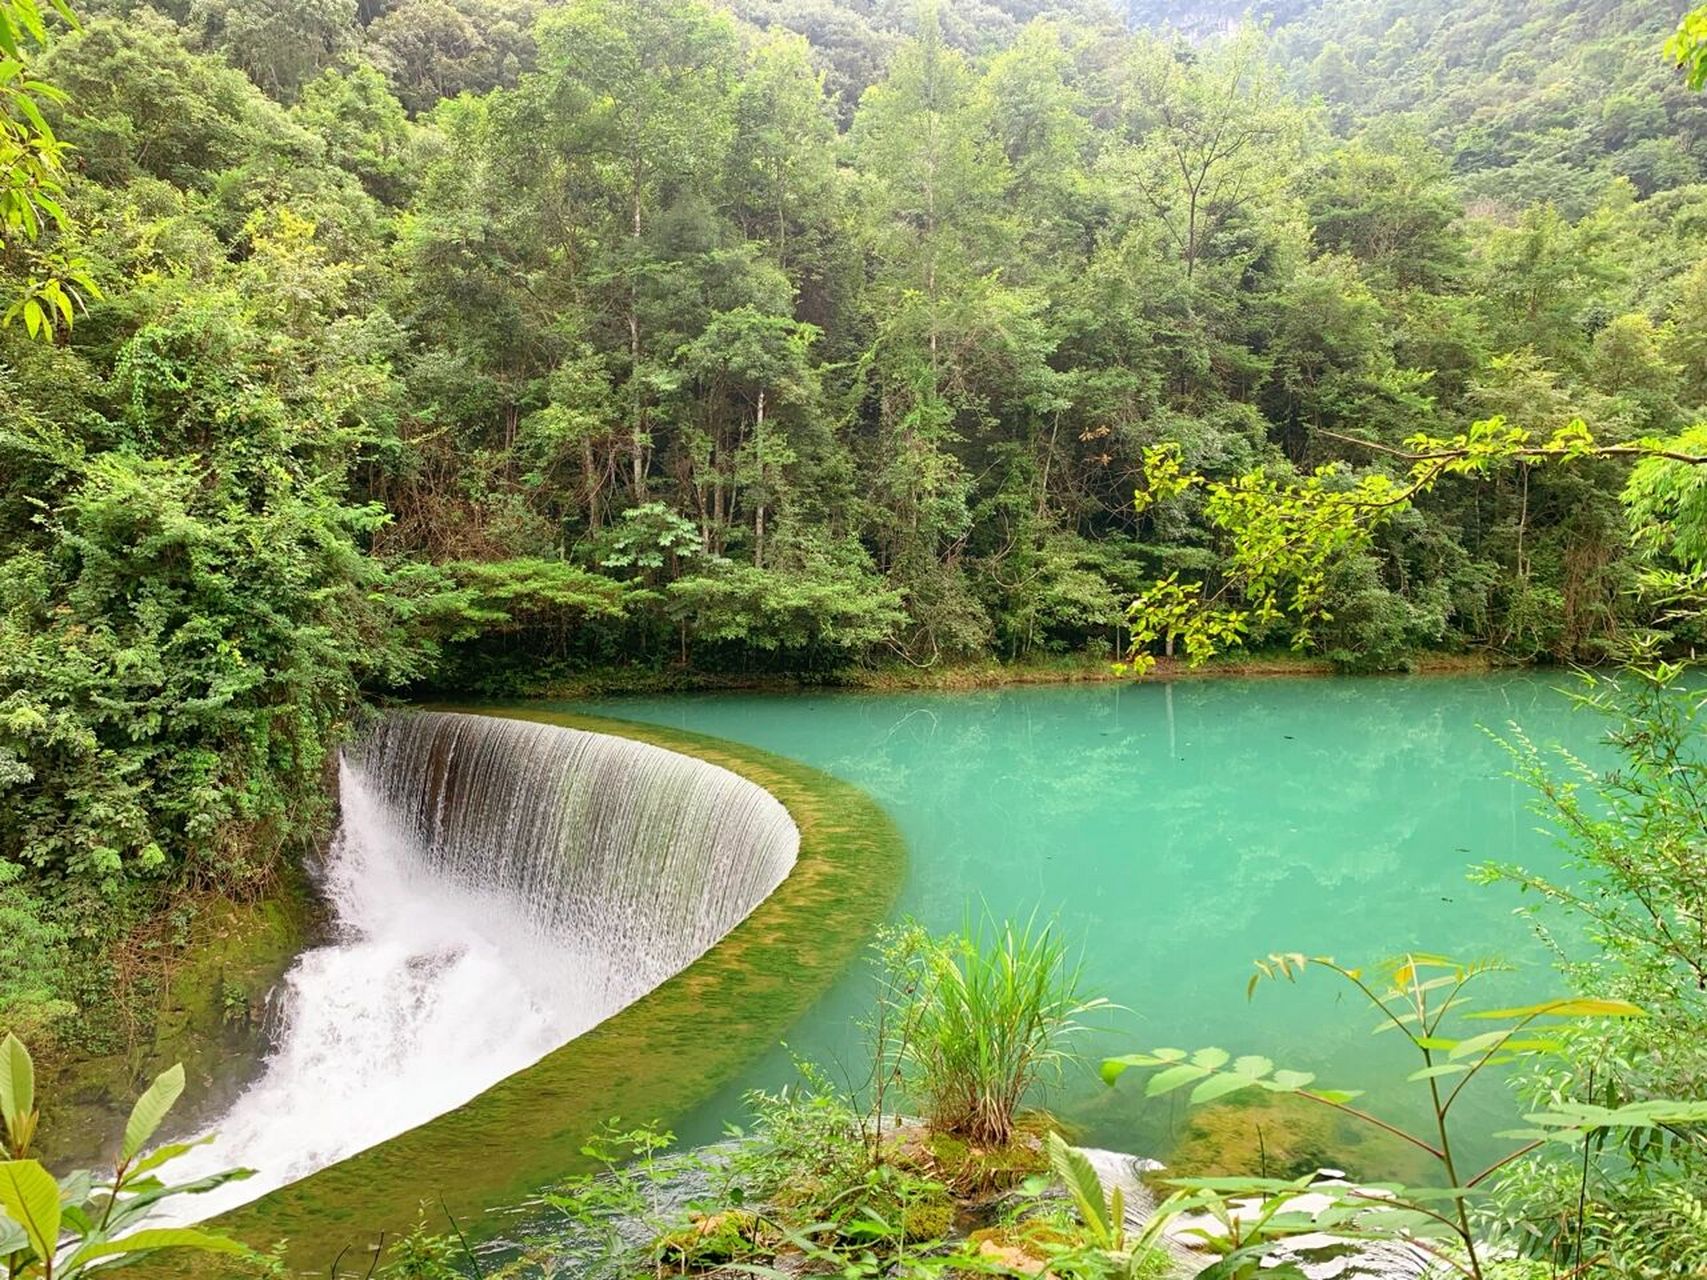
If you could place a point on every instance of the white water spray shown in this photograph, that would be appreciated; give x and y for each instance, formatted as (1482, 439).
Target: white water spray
(499, 887)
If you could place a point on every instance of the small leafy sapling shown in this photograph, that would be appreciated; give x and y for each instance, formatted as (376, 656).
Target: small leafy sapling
(1421, 997)
(65, 1228)
(1104, 1215)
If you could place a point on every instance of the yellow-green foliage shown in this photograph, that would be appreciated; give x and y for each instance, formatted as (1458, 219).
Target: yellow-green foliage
(929, 1217)
(715, 1239)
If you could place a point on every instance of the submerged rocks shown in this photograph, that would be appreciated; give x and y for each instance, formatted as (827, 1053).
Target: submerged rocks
(1319, 1255)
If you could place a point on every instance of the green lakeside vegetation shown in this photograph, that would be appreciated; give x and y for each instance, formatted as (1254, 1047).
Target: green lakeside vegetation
(932, 1167)
(355, 348)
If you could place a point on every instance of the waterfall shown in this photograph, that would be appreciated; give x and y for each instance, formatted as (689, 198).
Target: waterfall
(498, 888)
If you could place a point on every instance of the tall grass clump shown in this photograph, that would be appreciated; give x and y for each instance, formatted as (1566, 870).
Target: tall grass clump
(994, 1008)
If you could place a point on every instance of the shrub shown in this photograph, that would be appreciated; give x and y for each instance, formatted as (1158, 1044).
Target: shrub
(1634, 835)
(993, 1009)
(84, 1222)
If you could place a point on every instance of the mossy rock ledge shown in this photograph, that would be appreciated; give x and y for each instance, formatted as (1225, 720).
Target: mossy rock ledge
(210, 1015)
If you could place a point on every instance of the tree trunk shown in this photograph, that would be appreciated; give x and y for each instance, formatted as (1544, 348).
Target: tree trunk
(637, 428)
(590, 480)
(759, 522)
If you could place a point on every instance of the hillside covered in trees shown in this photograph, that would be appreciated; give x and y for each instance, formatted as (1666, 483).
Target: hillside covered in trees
(470, 343)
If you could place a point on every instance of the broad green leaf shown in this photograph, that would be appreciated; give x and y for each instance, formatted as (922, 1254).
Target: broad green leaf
(1248, 1186)
(1114, 1068)
(30, 15)
(28, 107)
(1444, 1069)
(1289, 1081)
(1211, 1059)
(30, 1197)
(157, 1238)
(161, 1154)
(1479, 1044)
(1340, 1096)
(1171, 1079)
(150, 1110)
(17, 1085)
(12, 1237)
(74, 1187)
(1080, 1178)
(1253, 1065)
(1395, 1023)
(134, 1209)
(1219, 1086)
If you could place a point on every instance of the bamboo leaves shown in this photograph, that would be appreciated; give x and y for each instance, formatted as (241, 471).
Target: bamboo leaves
(1575, 1008)
(1572, 1122)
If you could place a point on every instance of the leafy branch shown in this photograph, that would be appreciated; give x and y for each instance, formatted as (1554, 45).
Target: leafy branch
(1416, 996)
(32, 164)
(1285, 536)
(62, 1229)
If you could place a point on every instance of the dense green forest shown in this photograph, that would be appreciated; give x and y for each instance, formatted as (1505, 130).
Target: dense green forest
(370, 346)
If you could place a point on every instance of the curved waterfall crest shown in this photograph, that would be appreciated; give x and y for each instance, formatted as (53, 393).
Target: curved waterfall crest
(640, 856)
(499, 887)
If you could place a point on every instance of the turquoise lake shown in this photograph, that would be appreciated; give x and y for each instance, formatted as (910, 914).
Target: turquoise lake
(1177, 832)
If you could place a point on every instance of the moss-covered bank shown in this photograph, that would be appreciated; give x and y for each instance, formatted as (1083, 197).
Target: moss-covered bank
(654, 1060)
(208, 986)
